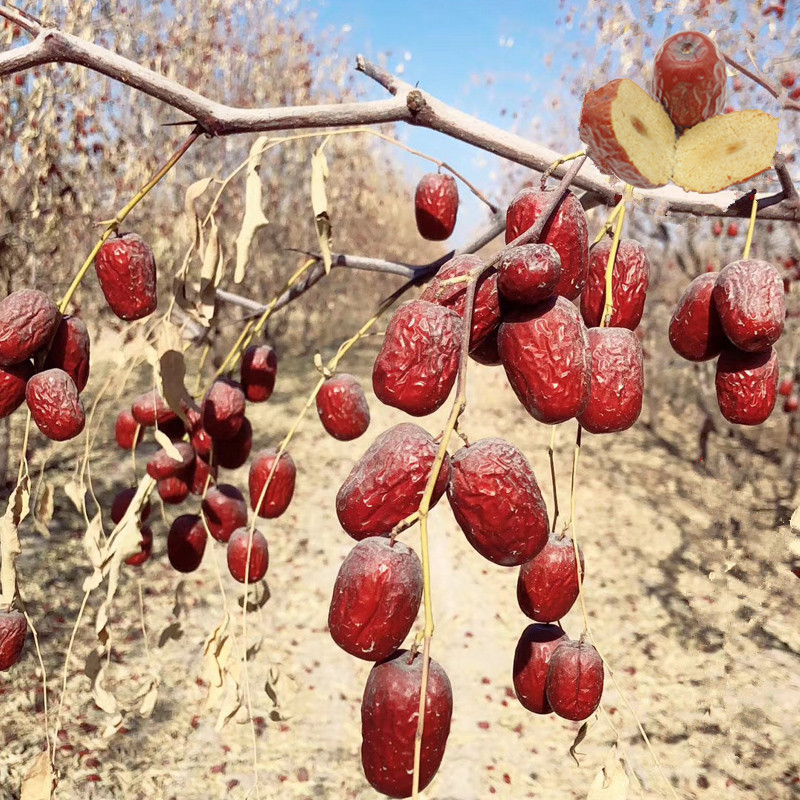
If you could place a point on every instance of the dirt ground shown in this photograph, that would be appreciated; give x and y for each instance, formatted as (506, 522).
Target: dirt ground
(688, 584)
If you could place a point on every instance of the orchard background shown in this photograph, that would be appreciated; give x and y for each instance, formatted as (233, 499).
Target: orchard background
(683, 520)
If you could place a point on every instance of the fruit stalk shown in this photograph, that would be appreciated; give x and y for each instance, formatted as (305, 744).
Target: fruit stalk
(608, 308)
(113, 224)
(750, 229)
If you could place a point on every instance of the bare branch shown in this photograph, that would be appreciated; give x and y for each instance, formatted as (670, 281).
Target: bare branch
(764, 83)
(409, 105)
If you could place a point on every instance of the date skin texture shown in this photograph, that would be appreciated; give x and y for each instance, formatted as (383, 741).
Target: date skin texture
(747, 385)
(54, 404)
(417, 365)
(436, 206)
(695, 330)
(531, 661)
(28, 320)
(547, 586)
(389, 715)
(545, 353)
(281, 488)
(497, 502)
(567, 231)
(574, 685)
(630, 280)
(126, 270)
(342, 407)
(376, 598)
(386, 484)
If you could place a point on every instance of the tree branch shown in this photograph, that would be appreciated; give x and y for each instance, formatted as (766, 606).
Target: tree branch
(409, 105)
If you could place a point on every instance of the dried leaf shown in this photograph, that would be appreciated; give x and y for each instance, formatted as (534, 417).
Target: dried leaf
(254, 218)
(193, 194)
(212, 260)
(95, 671)
(579, 737)
(319, 204)
(76, 491)
(94, 541)
(16, 511)
(167, 444)
(795, 520)
(149, 698)
(44, 509)
(40, 780)
(611, 783)
(172, 381)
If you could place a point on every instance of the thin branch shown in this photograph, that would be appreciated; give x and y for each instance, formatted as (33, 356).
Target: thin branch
(764, 83)
(409, 105)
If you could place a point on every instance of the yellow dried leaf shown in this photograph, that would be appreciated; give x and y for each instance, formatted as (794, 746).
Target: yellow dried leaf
(193, 194)
(44, 509)
(212, 261)
(319, 204)
(75, 491)
(167, 444)
(611, 783)
(95, 670)
(16, 511)
(40, 780)
(254, 218)
(149, 698)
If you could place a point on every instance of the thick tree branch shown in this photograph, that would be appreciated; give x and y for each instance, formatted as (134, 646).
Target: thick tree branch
(409, 105)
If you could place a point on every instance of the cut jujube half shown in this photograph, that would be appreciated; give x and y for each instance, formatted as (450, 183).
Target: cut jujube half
(695, 330)
(750, 302)
(617, 381)
(224, 509)
(574, 685)
(69, 351)
(436, 206)
(376, 598)
(54, 404)
(418, 363)
(628, 134)
(486, 309)
(747, 385)
(186, 542)
(13, 380)
(13, 630)
(28, 320)
(389, 718)
(387, 483)
(270, 500)
(342, 407)
(531, 661)
(529, 273)
(547, 586)
(545, 353)
(567, 231)
(725, 150)
(241, 540)
(690, 78)
(497, 502)
(630, 279)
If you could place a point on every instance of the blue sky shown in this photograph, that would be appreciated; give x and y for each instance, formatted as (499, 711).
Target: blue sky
(488, 59)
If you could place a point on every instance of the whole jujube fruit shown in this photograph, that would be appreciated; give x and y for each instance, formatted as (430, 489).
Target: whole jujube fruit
(150, 408)
(486, 308)
(574, 684)
(163, 465)
(387, 483)
(567, 231)
(69, 350)
(121, 502)
(173, 491)
(531, 661)
(13, 630)
(436, 206)
(630, 280)
(127, 431)
(201, 476)
(617, 384)
(747, 385)
(126, 270)
(418, 361)
(749, 299)
(232, 453)
(528, 274)
(487, 352)
(237, 555)
(547, 586)
(54, 404)
(225, 510)
(258, 371)
(376, 598)
(281, 488)
(223, 409)
(497, 502)
(28, 320)
(342, 407)
(545, 353)
(695, 330)
(389, 717)
(186, 542)
(13, 380)
(690, 78)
